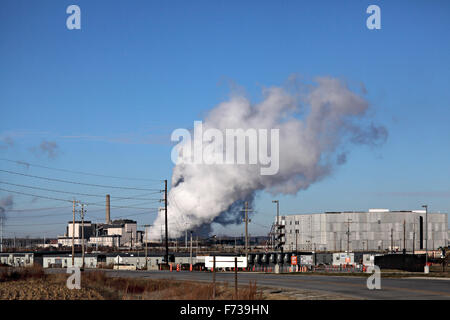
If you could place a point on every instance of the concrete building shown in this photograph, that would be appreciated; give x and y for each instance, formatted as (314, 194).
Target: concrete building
(66, 240)
(116, 234)
(125, 230)
(376, 229)
(112, 241)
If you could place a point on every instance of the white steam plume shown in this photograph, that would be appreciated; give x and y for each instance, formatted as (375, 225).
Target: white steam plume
(315, 127)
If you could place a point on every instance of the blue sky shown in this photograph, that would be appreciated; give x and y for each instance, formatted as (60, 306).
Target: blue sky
(110, 94)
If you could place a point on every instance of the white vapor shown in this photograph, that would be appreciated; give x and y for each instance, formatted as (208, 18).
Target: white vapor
(315, 127)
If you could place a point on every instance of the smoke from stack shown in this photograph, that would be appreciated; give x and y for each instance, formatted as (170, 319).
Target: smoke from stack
(317, 124)
(108, 212)
(6, 203)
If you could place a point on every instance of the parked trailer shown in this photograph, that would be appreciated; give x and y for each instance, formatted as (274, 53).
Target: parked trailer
(17, 259)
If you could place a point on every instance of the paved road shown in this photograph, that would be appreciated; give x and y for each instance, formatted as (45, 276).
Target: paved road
(353, 287)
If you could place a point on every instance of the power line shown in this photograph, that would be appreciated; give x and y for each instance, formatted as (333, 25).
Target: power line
(33, 216)
(77, 172)
(34, 195)
(28, 233)
(38, 209)
(73, 193)
(65, 207)
(135, 214)
(78, 183)
(122, 207)
(34, 224)
(65, 200)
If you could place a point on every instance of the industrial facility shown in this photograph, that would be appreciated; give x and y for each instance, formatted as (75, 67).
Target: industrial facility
(116, 234)
(376, 229)
(112, 233)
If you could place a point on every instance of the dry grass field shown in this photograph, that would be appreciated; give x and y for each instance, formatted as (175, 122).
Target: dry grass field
(34, 284)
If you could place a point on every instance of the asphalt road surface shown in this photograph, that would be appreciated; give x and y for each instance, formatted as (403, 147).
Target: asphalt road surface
(349, 286)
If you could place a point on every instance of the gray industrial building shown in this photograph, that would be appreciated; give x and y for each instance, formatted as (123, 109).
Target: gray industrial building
(112, 233)
(376, 229)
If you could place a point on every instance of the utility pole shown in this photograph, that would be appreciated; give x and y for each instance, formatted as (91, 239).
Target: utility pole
(414, 237)
(277, 230)
(392, 240)
(235, 278)
(404, 236)
(185, 239)
(190, 254)
(348, 235)
(167, 233)
(146, 241)
(214, 277)
(246, 220)
(1, 234)
(296, 243)
(82, 233)
(426, 234)
(73, 233)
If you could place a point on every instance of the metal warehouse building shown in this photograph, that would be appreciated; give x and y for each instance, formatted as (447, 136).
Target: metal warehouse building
(376, 229)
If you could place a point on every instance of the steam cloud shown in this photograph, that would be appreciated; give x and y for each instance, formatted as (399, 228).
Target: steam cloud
(6, 203)
(315, 125)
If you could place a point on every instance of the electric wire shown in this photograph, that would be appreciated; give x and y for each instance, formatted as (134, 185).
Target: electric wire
(75, 182)
(77, 172)
(70, 192)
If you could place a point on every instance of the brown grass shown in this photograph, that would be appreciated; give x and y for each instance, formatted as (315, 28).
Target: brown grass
(13, 274)
(125, 288)
(33, 283)
(250, 292)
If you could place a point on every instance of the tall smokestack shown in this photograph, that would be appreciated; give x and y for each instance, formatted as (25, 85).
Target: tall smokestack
(108, 212)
